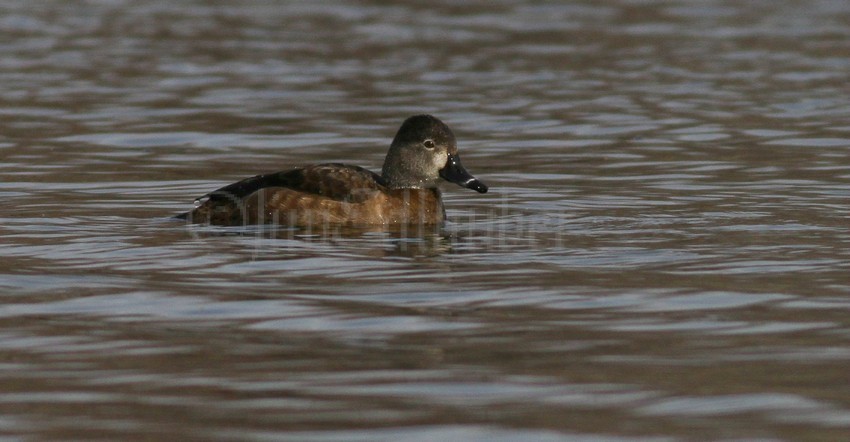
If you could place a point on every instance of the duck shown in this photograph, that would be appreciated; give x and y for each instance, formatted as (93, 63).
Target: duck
(422, 153)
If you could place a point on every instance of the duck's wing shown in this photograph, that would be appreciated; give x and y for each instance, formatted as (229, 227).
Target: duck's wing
(340, 182)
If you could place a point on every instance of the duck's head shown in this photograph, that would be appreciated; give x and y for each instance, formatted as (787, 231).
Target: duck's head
(423, 151)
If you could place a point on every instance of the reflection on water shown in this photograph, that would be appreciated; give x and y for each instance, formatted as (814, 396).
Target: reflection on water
(368, 241)
(662, 255)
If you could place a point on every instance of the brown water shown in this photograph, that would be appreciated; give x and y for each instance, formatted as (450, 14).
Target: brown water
(663, 255)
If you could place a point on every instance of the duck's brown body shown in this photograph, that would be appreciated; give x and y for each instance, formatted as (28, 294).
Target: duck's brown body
(423, 151)
(335, 194)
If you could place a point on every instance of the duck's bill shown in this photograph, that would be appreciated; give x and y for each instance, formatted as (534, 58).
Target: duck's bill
(454, 172)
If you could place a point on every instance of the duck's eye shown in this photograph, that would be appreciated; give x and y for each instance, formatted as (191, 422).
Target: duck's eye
(429, 144)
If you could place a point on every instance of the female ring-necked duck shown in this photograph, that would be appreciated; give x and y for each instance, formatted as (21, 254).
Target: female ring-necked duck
(423, 151)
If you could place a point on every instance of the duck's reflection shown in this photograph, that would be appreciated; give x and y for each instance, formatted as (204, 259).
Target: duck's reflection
(423, 240)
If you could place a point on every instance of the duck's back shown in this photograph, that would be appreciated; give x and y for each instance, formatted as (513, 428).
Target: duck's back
(321, 194)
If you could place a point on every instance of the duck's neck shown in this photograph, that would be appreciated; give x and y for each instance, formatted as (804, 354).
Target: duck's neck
(397, 176)
(394, 181)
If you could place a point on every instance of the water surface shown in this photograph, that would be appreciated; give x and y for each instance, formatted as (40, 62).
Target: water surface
(663, 253)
